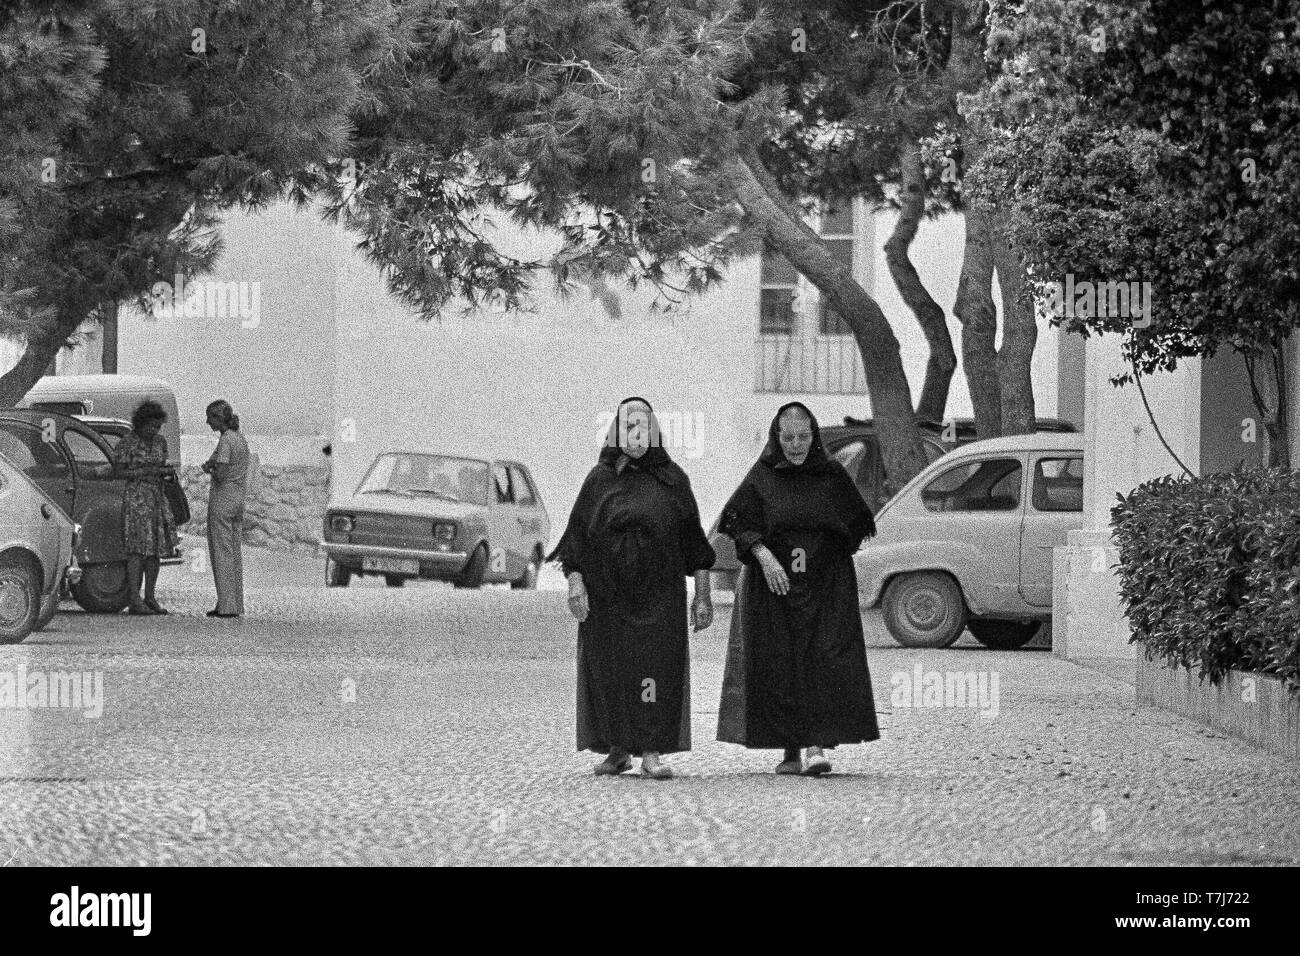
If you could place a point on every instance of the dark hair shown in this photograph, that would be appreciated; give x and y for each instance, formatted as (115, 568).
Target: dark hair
(222, 409)
(146, 412)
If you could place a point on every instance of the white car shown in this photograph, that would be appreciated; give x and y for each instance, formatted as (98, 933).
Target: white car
(438, 517)
(968, 542)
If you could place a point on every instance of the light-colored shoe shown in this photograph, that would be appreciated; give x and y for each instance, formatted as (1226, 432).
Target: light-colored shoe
(611, 767)
(656, 769)
(816, 763)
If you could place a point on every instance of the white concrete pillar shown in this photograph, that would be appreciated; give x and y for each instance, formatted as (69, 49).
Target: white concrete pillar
(1121, 450)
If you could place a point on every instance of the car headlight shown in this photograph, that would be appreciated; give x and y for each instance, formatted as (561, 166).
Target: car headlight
(342, 523)
(443, 531)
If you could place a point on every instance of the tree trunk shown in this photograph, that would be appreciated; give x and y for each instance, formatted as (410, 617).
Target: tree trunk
(979, 325)
(974, 307)
(1019, 334)
(891, 399)
(1275, 419)
(109, 323)
(942, 363)
(40, 352)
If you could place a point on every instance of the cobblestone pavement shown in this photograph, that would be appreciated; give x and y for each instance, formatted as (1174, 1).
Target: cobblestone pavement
(240, 742)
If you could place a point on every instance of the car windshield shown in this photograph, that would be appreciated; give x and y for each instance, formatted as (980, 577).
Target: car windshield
(436, 476)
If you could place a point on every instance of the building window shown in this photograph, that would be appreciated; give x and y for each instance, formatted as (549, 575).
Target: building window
(837, 230)
(799, 349)
(778, 280)
(777, 316)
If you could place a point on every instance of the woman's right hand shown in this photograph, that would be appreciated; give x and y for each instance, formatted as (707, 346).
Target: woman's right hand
(777, 580)
(577, 597)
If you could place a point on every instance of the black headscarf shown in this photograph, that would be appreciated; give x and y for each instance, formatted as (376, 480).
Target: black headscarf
(655, 459)
(773, 456)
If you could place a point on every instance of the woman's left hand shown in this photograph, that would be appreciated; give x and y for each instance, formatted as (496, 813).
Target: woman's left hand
(701, 613)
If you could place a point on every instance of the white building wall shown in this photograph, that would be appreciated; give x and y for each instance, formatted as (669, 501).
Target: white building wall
(333, 357)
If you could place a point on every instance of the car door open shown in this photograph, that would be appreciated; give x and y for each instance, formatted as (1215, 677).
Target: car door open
(1055, 509)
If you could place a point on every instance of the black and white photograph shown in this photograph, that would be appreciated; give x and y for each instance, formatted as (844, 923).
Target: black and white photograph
(652, 433)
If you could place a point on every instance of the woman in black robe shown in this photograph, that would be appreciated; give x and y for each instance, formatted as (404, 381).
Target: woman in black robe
(633, 537)
(796, 673)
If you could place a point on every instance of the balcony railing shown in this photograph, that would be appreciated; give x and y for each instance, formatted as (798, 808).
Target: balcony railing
(826, 365)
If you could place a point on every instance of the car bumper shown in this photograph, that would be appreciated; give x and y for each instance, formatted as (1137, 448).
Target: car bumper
(448, 560)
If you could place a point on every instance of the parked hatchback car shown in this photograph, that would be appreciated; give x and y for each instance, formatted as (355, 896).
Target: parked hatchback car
(438, 517)
(968, 542)
(856, 446)
(72, 464)
(37, 555)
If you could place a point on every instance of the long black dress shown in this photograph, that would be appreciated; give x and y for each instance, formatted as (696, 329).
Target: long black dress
(634, 534)
(796, 672)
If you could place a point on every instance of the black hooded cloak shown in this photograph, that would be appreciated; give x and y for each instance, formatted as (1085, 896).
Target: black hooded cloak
(634, 534)
(796, 672)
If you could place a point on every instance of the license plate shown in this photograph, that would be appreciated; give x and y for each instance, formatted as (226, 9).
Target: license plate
(391, 565)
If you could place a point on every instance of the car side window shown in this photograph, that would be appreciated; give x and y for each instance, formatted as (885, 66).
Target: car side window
(523, 488)
(89, 458)
(1058, 484)
(501, 484)
(989, 485)
(25, 446)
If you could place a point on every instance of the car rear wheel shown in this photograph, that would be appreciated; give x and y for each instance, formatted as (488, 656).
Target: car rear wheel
(102, 588)
(20, 600)
(395, 580)
(336, 576)
(472, 576)
(1003, 635)
(529, 581)
(924, 609)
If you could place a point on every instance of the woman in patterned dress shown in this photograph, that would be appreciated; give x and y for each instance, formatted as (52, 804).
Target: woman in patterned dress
(149, 529)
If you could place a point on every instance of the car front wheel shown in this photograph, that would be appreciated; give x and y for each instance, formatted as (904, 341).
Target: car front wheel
(529, 581)
(472, 576)
(924, 609)
(336, 576)
(102, 588)
(20, 601)
(1003, 635)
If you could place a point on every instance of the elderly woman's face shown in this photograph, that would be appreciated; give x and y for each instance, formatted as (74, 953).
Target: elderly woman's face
(149, 429)
(795, 434)
(635, 428)
(214, 421)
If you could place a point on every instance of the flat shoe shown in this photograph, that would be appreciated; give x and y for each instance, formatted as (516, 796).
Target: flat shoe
(817, 765)
(606, 768)
(153, 606)
(140, 609)
(660, 772)
(789, 767)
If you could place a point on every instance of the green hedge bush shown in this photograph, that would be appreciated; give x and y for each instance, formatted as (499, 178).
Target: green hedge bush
(1210, 571)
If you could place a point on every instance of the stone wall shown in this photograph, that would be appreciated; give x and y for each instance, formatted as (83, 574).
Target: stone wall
(284, 508)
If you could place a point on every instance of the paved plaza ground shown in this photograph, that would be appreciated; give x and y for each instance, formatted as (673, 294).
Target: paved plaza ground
(431, 726)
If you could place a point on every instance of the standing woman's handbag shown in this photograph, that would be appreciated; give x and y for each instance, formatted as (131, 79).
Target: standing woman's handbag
(176, 499)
